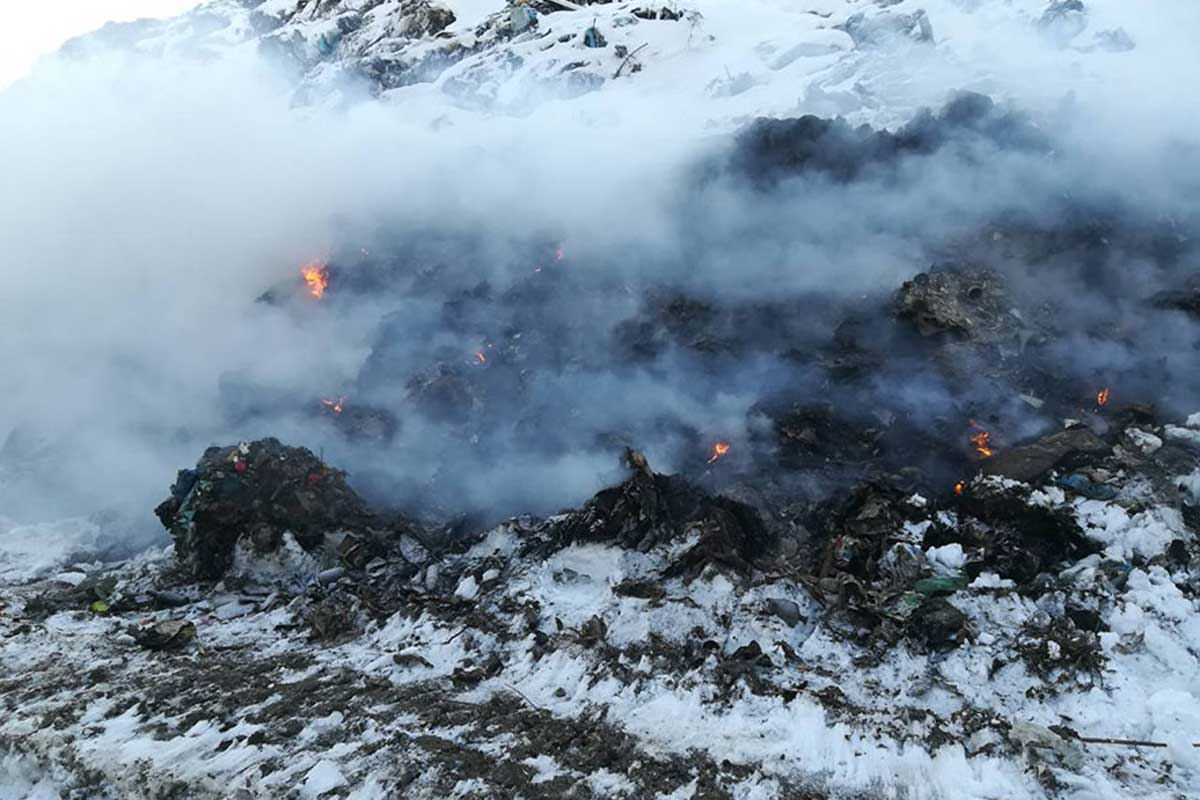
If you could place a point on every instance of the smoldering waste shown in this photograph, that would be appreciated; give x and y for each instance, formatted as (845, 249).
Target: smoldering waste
(934, 481)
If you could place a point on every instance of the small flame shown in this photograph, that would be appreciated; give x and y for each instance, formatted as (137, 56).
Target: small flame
(480, 358)
(317, 278)
(982, 440)
(960, 487)
(559, 253)
(1102, 397)
(982, 444)
(719, 449)
(336, 406)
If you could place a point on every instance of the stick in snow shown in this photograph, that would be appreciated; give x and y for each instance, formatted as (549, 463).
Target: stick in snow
(617, 74)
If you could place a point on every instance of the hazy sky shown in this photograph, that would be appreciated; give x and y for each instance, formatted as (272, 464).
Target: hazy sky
(39, 28)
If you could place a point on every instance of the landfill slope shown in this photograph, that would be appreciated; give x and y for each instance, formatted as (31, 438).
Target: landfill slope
(721, 65)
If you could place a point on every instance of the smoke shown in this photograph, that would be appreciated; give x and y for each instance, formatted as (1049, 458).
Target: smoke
(627, 282)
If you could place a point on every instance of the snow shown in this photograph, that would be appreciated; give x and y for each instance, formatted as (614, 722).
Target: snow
(1190, 483)
(545, 767)
(1047, 497)
(71, 578)
(323, 777)
(1144, 441)
(1144, 534)
(22, 779)
(469, 13)
(467, 588)
(1188, 436)
(276, 8)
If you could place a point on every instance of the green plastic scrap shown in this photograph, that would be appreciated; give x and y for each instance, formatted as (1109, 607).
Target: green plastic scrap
(933, 587)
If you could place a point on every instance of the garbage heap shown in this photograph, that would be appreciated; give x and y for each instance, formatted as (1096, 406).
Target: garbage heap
(650, 510)
(260, 495)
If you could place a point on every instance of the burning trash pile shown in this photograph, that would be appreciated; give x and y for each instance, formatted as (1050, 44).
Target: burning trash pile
(942, 517)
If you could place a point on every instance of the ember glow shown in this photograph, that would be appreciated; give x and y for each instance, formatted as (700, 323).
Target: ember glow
(336, 406)
(1102, 397)
(719, 449)
(317, 278)
(959, 488)
(480, 358)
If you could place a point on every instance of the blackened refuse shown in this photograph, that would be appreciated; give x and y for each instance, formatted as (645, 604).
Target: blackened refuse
(258, 490)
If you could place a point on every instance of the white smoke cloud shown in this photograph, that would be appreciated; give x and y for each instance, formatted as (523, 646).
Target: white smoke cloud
(149, 200)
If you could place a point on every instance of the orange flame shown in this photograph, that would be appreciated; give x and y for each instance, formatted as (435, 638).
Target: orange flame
(960, 487)
(335, 405)
(981, 441)
(1102, 397)
(480, 358)
(317, 278)
(719, 449)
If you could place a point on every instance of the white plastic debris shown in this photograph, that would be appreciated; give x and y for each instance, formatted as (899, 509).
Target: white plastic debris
(947, 559)
(990, 580)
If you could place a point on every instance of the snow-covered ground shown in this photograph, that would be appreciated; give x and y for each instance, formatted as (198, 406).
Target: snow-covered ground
(258, 710)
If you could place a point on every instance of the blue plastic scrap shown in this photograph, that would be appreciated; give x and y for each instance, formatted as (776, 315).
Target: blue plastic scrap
(327, 44)
(1081, 484)
(592, 38)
